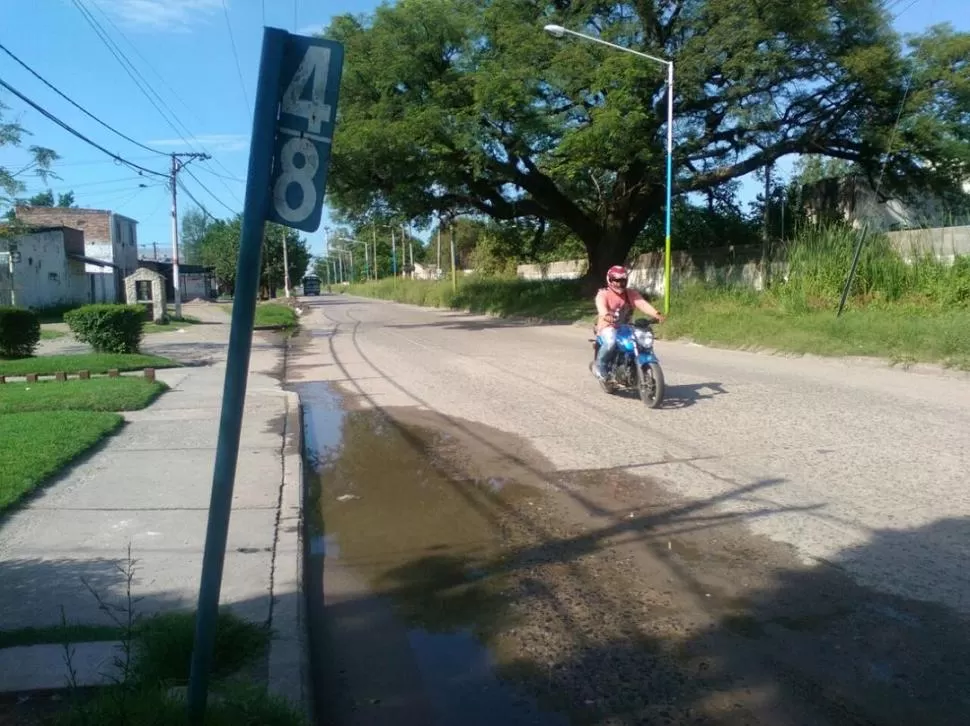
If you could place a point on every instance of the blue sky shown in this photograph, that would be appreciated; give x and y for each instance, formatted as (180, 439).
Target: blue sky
(183, 51)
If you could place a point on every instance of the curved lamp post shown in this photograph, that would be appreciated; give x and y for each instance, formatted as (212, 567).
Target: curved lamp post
(557, 31)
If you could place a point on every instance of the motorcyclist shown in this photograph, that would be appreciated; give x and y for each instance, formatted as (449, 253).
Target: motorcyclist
(614, 306)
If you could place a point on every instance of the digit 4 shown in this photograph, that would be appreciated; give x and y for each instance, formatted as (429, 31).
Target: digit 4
(315, 64)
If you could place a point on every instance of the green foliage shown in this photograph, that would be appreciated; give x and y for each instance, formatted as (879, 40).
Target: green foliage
(11, 183)
(218, 248)
(55, 439)
(163, 647)
(820, 256)
(559, 300)
(467, 107)
(19, 332)
(108, 328)
(195, 224)
(230, 705)
(275, 315)
(126, 393)
(94, 363)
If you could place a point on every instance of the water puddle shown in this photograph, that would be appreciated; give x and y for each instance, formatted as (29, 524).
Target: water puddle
(412, 551)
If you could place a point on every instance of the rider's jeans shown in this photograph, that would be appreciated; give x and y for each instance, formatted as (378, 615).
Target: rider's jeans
(607, 338)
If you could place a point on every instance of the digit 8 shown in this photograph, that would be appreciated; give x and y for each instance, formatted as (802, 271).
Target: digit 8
(292, 174)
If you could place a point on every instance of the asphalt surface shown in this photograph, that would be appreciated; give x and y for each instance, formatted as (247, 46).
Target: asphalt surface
(852, 463)
(784, 542)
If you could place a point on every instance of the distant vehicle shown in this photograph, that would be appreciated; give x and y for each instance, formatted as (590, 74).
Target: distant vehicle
(311, 285)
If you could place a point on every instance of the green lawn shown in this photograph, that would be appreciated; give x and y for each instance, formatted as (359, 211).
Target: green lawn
(59, 634)
(275, 315)
(96, 394)
(48, 334)
(172, 325)
(36, 445)
(93, 362)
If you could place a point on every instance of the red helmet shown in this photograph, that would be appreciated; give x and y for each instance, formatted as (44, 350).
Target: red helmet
(617, 272)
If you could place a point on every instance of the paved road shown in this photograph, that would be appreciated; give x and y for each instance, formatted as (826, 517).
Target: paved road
(854, 464)
(784, 543)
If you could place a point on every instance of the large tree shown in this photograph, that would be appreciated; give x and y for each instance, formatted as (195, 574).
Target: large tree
(465, 106)
(219, 249)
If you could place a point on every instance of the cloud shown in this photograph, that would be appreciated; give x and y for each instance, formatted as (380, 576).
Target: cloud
(176, 15)
(209, 142)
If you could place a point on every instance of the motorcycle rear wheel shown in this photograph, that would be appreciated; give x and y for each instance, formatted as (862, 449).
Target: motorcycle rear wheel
(651, 384)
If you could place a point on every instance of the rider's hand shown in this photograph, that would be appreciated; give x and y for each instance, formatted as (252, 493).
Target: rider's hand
(661, 317)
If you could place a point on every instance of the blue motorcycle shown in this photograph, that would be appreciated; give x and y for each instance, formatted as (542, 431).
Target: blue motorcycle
(633, 365)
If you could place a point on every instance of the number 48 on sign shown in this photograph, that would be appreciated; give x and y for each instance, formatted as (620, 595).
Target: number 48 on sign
(310, 83)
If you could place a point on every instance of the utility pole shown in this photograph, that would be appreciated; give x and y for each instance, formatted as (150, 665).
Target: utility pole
(286, 264)
(374, 233)
(438, 270)
(454, 267)
(411, 250)
(393, 255)
(179, 161)
(765, 236)
(155, 250)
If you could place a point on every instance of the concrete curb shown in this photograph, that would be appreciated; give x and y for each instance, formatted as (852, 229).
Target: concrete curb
(289, 671)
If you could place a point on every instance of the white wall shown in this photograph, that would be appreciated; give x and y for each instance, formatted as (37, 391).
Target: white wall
(44, 277)
(194, 286)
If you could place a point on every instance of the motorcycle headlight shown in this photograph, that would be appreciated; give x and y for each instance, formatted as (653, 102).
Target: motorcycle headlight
(644, 338)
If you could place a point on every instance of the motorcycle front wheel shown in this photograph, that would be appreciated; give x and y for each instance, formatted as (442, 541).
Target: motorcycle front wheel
(651, 384)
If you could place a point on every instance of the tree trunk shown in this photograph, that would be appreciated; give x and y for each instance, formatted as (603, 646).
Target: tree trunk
(608, 248)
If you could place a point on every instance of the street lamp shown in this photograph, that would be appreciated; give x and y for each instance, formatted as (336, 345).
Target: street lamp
(557, 31)
(351, 241)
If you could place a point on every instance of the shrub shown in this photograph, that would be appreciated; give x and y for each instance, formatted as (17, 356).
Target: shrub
(108, 328)
(19, 332)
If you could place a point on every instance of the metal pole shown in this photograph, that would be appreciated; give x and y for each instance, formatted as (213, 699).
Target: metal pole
(670, 183)
(286, 265)
(454, 265)
(13, 287)
(852, 270)
(438, 271)
(374, 233)
(393, 254)
(176, 281)
(340, 264)
(765, 233)
(255, 212)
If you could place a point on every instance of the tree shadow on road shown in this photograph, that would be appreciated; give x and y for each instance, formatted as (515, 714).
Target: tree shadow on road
(618, 604)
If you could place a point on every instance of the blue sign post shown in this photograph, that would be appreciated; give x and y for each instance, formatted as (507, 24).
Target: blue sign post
(293, 121)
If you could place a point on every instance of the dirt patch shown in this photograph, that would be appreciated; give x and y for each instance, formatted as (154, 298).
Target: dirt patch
(597, 597)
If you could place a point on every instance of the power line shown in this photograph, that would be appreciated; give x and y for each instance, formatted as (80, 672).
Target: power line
(209, 192)
(199, 204)
(132, 71)
(171, 90)
(126, 64)
(77, 105)
(152, 68)
(232, 41)
(77, 133)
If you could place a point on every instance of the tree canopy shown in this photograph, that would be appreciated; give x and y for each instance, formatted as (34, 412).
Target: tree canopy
(466, 106)
(218, 247)
(39, 166)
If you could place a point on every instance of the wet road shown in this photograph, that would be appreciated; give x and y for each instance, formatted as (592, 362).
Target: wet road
(782, 528)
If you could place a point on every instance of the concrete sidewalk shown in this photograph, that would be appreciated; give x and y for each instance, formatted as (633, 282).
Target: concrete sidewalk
(149, 485)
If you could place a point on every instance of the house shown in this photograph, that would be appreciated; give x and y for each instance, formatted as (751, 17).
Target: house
(195, 281)
(110, 245)
(854, 200)
(43, 267)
